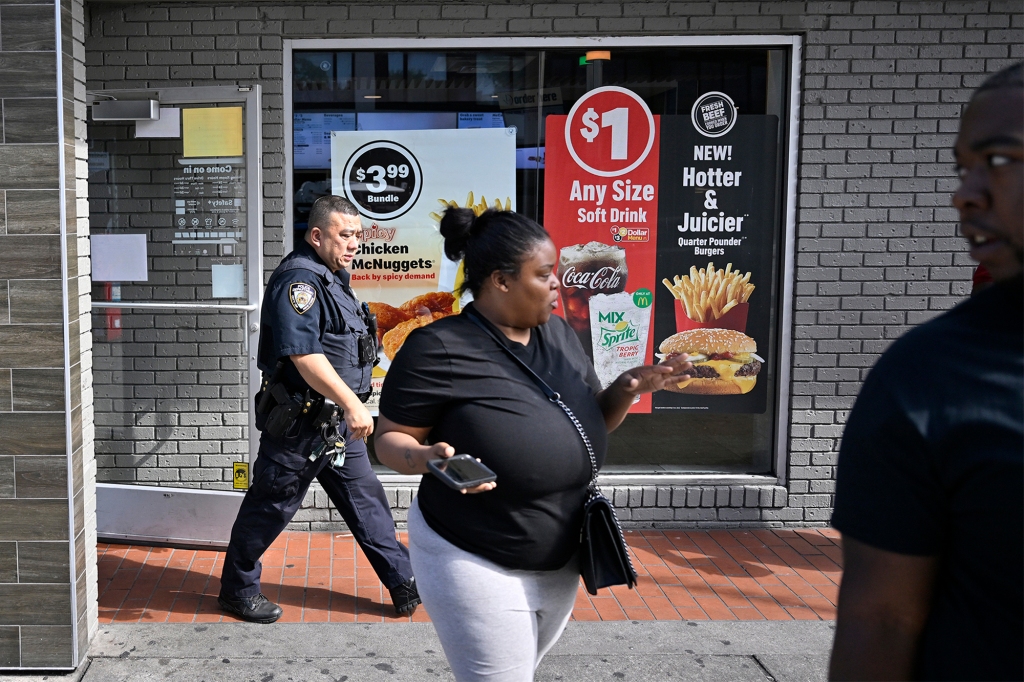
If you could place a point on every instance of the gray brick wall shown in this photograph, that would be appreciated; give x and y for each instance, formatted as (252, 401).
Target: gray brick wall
(877, 252)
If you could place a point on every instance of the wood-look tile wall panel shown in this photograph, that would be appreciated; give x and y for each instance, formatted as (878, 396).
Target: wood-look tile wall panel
(33, 212)
(6, 478)
(30, 257)
(6, 400)
(27, 74)
(43, 562)
(36, 310)
(29, 120)
(33, 520)
(42, 645)
(10, 647)
(31, 345)
(38, 390)
(34, 301)
(41, 477)
(8, 562)
(29, 166)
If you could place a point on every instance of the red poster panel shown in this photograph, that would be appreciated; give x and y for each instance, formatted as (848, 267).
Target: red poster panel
(601, 208)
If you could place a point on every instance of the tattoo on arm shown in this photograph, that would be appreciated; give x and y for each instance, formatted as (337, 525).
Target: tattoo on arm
(408, 458)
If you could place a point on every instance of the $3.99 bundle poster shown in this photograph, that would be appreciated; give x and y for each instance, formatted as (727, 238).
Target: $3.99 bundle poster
(666, 227)
(401, 186)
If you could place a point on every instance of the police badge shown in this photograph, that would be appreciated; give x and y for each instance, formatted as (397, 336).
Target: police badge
(302, 296)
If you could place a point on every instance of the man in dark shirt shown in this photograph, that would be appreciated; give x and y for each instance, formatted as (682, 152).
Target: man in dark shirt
(929, 491)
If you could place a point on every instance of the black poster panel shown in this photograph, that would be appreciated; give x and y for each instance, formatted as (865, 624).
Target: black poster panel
(718, 205)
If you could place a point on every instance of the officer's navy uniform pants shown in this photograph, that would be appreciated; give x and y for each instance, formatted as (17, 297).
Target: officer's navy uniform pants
(277, 491)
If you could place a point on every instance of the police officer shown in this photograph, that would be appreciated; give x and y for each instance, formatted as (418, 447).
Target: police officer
(317, 348)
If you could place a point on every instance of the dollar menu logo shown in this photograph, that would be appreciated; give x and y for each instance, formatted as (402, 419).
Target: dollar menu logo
(615, 330)
(382, 179)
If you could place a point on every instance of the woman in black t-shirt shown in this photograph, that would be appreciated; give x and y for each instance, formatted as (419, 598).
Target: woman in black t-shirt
(497, 568)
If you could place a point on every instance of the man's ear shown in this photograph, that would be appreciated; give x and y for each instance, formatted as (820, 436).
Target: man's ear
(314, 235)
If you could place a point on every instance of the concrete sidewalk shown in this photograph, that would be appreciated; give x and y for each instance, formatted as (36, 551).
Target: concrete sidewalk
(708, 651)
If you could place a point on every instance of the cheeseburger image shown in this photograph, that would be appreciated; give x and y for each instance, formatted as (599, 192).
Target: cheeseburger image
(724, 361)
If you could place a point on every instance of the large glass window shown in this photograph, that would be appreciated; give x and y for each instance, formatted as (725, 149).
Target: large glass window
(516, 88)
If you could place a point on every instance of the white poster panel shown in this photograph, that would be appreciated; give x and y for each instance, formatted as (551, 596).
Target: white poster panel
(402, 181)
(119, 258)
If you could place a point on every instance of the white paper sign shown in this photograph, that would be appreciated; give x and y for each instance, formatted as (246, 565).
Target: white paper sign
(228, 280)
(119, 258)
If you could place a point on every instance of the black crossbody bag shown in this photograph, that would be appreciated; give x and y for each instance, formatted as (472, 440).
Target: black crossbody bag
(604, 557)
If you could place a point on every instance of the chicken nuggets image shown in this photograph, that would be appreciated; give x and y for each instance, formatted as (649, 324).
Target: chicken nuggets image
(388, 317)
(434, 301)
(394, 338)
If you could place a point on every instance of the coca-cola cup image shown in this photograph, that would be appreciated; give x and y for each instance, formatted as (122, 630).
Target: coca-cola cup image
(585, 270)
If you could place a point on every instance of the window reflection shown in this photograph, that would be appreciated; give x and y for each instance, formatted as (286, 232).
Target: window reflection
(388, 90)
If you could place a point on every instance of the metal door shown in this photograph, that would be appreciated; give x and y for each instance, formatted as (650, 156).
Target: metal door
(176, 247)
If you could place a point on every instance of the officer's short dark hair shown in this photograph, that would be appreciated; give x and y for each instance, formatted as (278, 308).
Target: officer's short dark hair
(325, 206)
(1010, 77)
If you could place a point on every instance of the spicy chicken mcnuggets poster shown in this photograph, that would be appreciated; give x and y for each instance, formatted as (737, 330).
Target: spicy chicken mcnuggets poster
(402, 181)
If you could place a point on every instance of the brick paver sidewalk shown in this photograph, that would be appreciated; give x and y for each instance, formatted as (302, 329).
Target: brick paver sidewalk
(322, 577)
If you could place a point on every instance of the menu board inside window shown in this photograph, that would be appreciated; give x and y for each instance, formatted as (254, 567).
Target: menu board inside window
(658, 172)
(666, 226)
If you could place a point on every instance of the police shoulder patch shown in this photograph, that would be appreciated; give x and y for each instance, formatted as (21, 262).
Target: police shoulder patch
(302, 296)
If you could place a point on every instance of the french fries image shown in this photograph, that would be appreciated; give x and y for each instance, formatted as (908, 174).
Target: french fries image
(708, 294)
(478, 207)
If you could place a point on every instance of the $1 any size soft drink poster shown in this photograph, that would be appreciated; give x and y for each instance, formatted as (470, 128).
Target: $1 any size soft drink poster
(601, 209)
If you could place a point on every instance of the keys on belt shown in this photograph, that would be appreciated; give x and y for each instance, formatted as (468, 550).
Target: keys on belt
(332, 442)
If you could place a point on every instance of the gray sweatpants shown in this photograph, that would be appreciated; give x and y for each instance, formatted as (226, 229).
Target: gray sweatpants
(495, 623)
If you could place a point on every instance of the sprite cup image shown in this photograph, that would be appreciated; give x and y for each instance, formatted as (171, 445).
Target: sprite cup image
(619, 333)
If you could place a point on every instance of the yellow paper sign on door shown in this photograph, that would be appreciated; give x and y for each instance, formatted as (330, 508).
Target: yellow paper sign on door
(241, 475)
(212, 131)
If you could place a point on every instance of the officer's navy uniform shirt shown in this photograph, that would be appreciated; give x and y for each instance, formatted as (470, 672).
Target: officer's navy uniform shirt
(932, 464)
(307, 309)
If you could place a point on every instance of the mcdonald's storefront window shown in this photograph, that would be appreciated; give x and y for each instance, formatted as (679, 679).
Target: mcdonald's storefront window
(661, 173)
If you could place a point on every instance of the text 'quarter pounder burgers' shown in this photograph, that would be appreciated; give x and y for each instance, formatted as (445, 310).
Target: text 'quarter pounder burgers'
(724, 361)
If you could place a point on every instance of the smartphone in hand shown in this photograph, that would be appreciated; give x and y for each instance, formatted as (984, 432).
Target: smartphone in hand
(461, 472)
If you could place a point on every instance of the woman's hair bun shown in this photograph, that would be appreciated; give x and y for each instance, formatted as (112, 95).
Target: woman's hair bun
(456, 227)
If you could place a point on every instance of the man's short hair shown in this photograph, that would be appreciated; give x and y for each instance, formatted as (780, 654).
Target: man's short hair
(325, 206)
(1010, 77)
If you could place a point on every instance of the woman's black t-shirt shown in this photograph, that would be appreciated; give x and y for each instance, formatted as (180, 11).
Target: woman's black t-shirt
(453, 377)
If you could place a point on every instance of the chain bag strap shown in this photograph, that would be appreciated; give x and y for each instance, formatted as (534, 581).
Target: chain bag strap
(605, 559)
